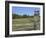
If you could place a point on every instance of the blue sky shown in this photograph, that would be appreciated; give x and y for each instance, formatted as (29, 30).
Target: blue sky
(24, 10)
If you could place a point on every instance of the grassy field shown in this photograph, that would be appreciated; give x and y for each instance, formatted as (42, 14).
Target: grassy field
(25, 24)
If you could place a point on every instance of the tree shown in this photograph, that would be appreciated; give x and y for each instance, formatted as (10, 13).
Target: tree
(24, 15)
(36, 13)
(13, 16)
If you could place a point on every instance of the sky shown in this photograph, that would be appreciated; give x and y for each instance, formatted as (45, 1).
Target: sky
(24, 10)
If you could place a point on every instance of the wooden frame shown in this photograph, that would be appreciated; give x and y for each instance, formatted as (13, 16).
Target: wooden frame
(7, 18)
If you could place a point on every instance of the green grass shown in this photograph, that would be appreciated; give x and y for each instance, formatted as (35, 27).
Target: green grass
(25, 24)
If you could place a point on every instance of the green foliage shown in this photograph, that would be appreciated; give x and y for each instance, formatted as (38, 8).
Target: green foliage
(13, 16)
(20, 16)
(24, 16)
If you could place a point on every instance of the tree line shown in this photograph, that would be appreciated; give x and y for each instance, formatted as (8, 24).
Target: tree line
(20, 16)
